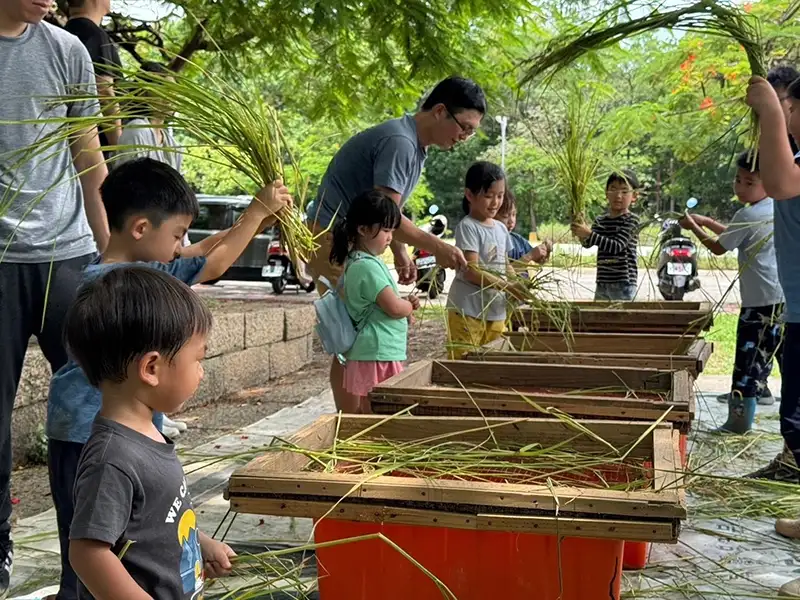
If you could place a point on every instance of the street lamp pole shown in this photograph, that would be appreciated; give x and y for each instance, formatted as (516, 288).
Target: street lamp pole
(503, 125)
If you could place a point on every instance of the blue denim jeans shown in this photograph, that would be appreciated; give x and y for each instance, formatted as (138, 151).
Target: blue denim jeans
(615, 292)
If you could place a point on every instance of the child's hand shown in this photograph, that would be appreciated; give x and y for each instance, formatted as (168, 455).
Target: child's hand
(271, 199)
(517, 290)
(414, 301)
(581, 230)
(687, 221)
(216, 557)
(761, 96)
(540, 254)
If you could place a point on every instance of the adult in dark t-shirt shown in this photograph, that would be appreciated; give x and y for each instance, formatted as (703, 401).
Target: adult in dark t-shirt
(85, 17)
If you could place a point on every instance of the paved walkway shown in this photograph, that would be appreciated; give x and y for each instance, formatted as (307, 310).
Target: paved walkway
(709, 553)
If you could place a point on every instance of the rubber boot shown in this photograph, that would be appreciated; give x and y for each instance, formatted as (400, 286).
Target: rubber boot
(741, 412)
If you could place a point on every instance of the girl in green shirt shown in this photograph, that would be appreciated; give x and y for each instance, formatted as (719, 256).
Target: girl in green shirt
(371, 296)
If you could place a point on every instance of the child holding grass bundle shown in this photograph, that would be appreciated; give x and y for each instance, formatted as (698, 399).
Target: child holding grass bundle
(521, 252)
(476, 303)
(150, 207)
(139, 334)
(373, 301)
(781, 176)
(616, 235)
(759, 331)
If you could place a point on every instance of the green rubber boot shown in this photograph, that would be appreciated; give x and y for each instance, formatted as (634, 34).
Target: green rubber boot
(741, 412)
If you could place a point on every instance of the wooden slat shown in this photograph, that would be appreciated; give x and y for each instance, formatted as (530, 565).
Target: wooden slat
(330, 487)
(633, 531)
(683, 391)
(644, 305)
(652, 531)
(509, 403)
(469, 373)
(627, 320)
(602, 343)
(646, 361)
(315, 436)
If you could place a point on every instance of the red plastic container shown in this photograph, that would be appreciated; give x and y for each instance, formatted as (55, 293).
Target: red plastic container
(475, 565)
(635, 555)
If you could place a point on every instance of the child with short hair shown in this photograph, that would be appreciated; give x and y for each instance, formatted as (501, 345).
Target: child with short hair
(522, 252)
(759, 331)
(781, 176)
(476, 303)
(139, 335)
(149, 207)
(371, 295)
(616, 235)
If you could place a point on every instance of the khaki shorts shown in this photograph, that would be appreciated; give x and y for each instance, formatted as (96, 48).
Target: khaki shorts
(319, 263)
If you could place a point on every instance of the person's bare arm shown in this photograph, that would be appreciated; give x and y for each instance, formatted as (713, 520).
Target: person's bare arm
(260, 213)
(110, 108)
(102, 572)
(709, 223)
(408, 233)
(780, 174)
(204, 246)
(89, 164)
(482, 278)
(695, 225)
(393, 305)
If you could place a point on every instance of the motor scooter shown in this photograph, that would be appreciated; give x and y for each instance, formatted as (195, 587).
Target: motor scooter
(430, 278)
(677, 260)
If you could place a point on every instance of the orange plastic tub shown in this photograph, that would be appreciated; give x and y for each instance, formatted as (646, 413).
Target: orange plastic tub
(475, 565)
(636, 555)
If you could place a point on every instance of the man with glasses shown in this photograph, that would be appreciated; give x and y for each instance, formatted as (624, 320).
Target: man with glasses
(390, 157)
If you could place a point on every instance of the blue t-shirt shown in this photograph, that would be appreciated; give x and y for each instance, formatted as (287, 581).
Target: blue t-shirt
(787, 249)
(73, 402)
(519, 246)
(388, 155)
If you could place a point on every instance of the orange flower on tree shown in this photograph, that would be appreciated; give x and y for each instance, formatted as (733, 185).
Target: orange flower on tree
(748, 7)
(707, 103)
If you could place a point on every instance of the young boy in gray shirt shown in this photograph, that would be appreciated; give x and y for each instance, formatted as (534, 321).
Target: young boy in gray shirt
(139, 334)
(759, 331)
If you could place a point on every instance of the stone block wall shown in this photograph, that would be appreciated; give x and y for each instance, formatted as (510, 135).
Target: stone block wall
(250, 344)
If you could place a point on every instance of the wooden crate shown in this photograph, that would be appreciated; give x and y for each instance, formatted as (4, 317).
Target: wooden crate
(460, 388)
(619, 318)
(644, 305)
(650, 351)
(281, 482)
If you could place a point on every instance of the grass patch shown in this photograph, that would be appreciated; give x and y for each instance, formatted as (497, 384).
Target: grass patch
(723, 335)
(705, 262)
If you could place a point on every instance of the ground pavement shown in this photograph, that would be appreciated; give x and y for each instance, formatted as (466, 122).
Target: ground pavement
(575, 283)
(728, 559)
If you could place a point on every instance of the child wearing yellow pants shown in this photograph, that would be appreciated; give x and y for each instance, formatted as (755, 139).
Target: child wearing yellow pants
(476, 302)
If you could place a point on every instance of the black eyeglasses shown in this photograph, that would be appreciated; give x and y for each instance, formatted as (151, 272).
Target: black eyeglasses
(467, 131)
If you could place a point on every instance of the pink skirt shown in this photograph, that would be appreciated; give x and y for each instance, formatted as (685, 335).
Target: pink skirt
(360, 376)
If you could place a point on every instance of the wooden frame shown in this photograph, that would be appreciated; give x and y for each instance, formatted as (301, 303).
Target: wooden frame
(618, 318)
(277, 484)
(461, 388)
(650, 351)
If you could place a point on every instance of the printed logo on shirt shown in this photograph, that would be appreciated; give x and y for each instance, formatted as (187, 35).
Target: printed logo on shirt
(191, 564)
(491, 255)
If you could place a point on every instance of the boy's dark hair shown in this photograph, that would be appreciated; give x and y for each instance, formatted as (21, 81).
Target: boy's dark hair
(128, 312)
(457, 94)
(782, 76)
(745, 161)
(367, 210)
(509, 203)
(480, 177)
(625, 176)
(146, 187)
(135, 107)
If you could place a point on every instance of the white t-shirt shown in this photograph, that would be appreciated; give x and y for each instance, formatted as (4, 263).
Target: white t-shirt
(492, 243)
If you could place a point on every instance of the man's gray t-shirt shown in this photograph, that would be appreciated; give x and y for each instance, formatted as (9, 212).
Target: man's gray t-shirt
(130, 488)
(492, 243)
(45, 216)
(751, 231)
(388, 155)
